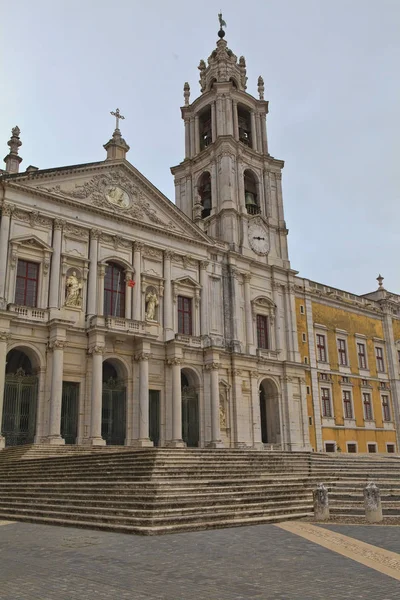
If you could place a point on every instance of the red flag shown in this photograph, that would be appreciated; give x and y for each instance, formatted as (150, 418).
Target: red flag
(131, 283)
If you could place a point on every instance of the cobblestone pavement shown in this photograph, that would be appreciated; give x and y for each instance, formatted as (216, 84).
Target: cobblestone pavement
(39, 562)
(378, 535)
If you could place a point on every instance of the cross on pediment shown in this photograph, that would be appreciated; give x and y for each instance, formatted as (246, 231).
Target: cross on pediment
(117, 116)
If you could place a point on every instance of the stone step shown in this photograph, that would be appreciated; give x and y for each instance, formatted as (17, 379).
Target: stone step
(346, 510)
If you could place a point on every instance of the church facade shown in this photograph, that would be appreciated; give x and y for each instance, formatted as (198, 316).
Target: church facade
(127, 319)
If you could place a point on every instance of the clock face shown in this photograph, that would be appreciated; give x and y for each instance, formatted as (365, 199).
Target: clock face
(258, 239)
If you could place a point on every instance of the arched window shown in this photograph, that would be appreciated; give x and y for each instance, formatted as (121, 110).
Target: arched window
(114, 291)
(205, 129)
(244, 122)
(205, 194)
(250, 193)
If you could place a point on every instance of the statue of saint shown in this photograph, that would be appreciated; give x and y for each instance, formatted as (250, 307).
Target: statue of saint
(151, 304)
(222, 416)
(74, 291)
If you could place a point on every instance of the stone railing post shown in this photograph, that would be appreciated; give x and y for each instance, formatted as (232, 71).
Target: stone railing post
(372, 503)
(321, 503)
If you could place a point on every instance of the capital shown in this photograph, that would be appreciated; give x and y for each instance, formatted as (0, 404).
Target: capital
(204, 264)
(57, 345)
(5, 336)
(168, 254)
(95, 234)
(96, 350)
(213, 366)
(254, 374)
(138, 246)
(172, 362)
(7, 210)
(142, 356)
(246, 277)
(59, 223)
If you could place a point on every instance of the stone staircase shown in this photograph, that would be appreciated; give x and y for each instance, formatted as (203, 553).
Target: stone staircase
(160, 490)
(348, 477)
(153, 491)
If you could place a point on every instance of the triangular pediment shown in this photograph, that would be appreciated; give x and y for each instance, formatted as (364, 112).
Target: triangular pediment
(114, 188)
(32, 241)
(188, 281)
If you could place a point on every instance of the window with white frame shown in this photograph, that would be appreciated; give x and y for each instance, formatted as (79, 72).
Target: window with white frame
(367, 405)
(326, 402)
(347, 405)
(362, 355)
(380, 363)
(342, 352)
(352, 447)
(262, 332)
(330, 446)
(390, 448)
(321, 347)
(263, 311)
(27, 282)
(371, 447)
(387, 416)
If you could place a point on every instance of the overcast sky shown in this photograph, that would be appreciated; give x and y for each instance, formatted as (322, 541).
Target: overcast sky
(332, 76)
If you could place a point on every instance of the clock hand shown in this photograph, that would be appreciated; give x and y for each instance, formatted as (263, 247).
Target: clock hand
(258, 238)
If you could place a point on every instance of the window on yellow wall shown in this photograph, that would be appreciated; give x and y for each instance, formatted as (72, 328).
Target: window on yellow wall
(342, 352)
(362, 356)
(326, 402)
(321, 348)
(380, 365)
(386, 408)
(347, 405)
(367, 406)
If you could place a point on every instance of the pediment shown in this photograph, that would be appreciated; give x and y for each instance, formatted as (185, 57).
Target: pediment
(187, 281)
(31, 241)
(117, 189)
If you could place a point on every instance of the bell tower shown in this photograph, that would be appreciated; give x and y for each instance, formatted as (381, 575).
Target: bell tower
(228, 182)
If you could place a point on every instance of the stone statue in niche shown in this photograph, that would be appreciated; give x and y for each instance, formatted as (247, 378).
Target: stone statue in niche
(151, 305)
(73, 291)
(222, 416)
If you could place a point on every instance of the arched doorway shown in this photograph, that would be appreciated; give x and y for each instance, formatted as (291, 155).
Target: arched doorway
(113, 419)
(269, 413)
(190, 411)
(20, 400)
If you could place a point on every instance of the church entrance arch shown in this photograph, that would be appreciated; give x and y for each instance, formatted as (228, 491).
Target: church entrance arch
(20, 399)
(113, 420)
(269, 412)
(190, 409)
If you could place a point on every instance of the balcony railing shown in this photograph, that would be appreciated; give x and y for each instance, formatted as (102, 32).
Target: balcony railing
(30, 313)
(253, 209)
(189, 340)
(264, 353)
(126, 325)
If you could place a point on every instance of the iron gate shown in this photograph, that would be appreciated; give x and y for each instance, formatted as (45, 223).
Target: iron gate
(154, 416)
(190, 417)
(19, 409)
(69, 411)
(113, 412)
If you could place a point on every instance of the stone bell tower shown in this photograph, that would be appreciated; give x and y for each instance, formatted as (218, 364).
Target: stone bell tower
(228, 183)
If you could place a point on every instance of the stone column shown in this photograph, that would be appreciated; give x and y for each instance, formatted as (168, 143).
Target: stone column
(144, 440)
(4, 337)
(92, 282)
(253, 130)
(204, 297)
(214, 192)
(276, 289)
(192, 138)
(240, 186)
(235, 121)
(187, 138)
(55, 265)
(264, 134)
(4, 233)
(196, 134)
(168, 321)
(258, 129)
(213, 123)
(97, 396)
(255, 406)
(247, 308)
(176, 441)
(101, 271)
(214, 396)
(229, 117)
(137, 290)
(235, 308)
(54, 437)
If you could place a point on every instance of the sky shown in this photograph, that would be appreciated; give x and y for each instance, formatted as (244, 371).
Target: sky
(332, 78)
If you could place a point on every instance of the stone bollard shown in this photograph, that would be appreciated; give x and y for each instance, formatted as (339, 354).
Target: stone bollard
(321, 503)
(372, 503)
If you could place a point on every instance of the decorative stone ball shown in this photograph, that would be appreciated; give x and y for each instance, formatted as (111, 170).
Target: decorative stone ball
(221, 33)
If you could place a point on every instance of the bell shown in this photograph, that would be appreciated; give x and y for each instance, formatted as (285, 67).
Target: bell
(249, 199)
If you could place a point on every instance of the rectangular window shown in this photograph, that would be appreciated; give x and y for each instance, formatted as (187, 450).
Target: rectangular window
(390, 448)
(262, 331)
(362, 357)
(324, 376)
(184, 315)
(27, 283)
(304, 337)
(372, 448)
(367, 406)
(348, 409)
(351, 448)
(398, 355)
(386, 408)
(301, 309)
(321, 348)
(326, 402)
(330, 447)
(114, 291)
(380, 365)
(342, 352)
(345, 380)
(364, 382)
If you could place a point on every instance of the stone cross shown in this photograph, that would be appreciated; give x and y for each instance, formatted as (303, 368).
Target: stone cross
(117, 116)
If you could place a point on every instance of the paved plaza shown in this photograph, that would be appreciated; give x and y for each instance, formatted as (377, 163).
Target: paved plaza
(269, 562)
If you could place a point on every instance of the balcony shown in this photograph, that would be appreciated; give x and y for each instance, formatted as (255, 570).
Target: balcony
(125, 325)
(267, 354)
(188, 340)
(29, 313)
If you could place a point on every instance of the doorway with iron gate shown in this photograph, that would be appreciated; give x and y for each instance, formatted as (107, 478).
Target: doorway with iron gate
(190, 410)
(20, 399)
(69, 411)
(113, 423)
(154, 416)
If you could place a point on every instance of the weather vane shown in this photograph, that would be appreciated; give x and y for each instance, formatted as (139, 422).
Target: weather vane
(117, 116)
(222, 24)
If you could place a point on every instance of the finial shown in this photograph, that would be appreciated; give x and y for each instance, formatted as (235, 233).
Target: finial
(222, 23)
(186, 93)
(261, 88)
(117, 116)
(12, 159)
(380, 281)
